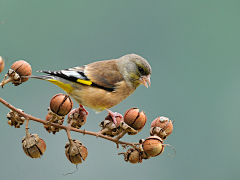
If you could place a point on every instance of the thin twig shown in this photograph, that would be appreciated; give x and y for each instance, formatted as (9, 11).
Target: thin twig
(173, 149)
(29, 117)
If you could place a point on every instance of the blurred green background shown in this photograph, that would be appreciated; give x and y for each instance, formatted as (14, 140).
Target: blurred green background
(193, 48)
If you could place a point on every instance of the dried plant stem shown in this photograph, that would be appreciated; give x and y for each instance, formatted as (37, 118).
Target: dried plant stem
(26, 129)
(121, 135)
(69, 136)
(67, 128)
(6, 81)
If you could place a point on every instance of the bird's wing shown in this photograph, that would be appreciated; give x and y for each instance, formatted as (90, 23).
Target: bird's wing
(101, 74)
(104, 73)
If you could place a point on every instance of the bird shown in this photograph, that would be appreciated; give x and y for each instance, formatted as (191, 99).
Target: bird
(102, 84)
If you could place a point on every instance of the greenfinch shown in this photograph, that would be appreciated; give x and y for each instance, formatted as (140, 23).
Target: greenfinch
(102, 84)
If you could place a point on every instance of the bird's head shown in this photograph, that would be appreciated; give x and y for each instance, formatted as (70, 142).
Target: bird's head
(136, 70)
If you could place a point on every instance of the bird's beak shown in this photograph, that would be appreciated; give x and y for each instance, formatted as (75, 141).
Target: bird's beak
(145, 80)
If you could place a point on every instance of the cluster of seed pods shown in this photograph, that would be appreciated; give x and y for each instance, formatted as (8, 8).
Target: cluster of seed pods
(152, 146)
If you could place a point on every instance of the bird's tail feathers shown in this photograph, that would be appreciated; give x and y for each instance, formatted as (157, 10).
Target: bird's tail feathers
(43, 77)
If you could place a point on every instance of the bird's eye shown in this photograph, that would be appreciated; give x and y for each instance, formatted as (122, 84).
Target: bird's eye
(140, 70)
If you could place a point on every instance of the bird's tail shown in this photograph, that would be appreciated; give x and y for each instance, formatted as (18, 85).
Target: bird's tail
(62, 83)
(42, 77)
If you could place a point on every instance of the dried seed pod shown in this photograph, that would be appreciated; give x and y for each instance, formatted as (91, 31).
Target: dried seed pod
(61, 104)
(144, 155)
(153, 146)
(128, 129)
(109, 128)
(23, 68)
(13, 77)
(33, 146)
(132, 155)
(164, 123)
(54, 119)
(15, 119)
(75, 151)
(157, 131)
(135, 119)
(2, 64)
(77, 117)
(18, 69)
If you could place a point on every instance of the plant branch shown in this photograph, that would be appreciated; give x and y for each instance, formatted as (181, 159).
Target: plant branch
(67, 128)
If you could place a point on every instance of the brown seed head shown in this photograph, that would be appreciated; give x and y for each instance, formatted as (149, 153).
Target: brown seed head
(15, 119)
(77, 117)
(135, 119)
(164, 123)
(33, 146)
(56, 120)
(61, 104)
(75, 151)
(133, 156)
(109, 128)
(22, 68)
(153, 146)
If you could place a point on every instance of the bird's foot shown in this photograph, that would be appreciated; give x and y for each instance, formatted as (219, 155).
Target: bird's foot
(114, 115)
(83, 109)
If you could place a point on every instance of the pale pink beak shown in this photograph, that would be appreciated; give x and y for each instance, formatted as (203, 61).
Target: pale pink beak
(145, 80)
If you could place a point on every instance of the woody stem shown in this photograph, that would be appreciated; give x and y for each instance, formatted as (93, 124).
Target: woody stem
(69, 128)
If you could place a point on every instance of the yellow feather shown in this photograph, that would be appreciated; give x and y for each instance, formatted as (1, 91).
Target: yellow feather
(84, 82)
(66, 87)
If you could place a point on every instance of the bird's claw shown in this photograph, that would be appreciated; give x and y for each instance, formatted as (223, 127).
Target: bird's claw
(114, 115)
(83, 109)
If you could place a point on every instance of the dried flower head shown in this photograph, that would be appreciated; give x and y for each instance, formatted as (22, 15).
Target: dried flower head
(15, 119)
(132, 155)
(33, 146)
(75, 151)
(77, 117)
(109, 128)
(51, 118)
(165, 127)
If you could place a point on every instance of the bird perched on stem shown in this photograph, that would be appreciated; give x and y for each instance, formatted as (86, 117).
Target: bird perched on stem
(102, 84)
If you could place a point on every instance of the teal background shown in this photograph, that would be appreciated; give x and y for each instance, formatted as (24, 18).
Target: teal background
(193, 48)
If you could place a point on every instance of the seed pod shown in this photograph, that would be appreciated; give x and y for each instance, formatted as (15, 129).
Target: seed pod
(153, 146)
(164, 123)
(61, 104)
(125, 128)
(157, 131)
(133, 156)
(22, 68)
(75, 151)
(15, 119)
(54, 119)
(77, 117)
(2, 64)
(33, 146)
(109, 128)
(135, 119)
